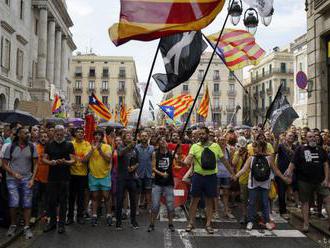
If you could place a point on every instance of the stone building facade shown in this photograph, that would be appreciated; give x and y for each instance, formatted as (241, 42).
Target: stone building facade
(113, 80)
(36, 47)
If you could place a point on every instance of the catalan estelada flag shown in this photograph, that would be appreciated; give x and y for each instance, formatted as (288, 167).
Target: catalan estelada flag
(99, 108)
(56, 105)
(151, 19)
(176, 106)
(237, 48)
(123, 115)
(204, 106)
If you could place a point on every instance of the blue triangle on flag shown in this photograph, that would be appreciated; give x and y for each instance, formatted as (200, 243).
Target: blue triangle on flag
(168, 110)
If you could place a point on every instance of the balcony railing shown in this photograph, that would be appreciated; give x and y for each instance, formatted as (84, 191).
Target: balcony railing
(91, 75)
(184, 91)
(230, 109)
(231, 92)
(121, 91)
(217, 93)
(122, 75)
(90, 90)
(286, 91)
(216, 79)
(105, 91)
(77, 90)
(217, 109)
(262, 93)
(77, 106)
(105, 75)
(269, 91)
(268, 74)
(78, 75)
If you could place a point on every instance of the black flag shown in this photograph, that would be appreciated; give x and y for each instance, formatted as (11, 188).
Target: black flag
(280, 113)
(181, 54)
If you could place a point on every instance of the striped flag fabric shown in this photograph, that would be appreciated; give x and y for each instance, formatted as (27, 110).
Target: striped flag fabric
(99, 108)
(237, 48)
(56, 105)
(176, 106)
(204, 106)
(123, 115)
(147, 20)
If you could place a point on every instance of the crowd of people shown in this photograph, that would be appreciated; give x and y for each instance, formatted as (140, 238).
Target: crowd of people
(50, 172)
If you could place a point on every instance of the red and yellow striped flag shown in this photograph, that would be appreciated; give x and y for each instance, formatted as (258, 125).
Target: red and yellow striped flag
(237, 48)
(180, 104)
(151, 19)
(99, 108)
(204, 106)
(123, 115)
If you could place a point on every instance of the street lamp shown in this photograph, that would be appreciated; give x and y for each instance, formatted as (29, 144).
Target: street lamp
(235, 11)
(251, 20)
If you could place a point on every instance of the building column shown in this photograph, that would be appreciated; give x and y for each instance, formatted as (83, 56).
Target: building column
(51, 51)
(42, 43)
(57, 66)
(64, 66)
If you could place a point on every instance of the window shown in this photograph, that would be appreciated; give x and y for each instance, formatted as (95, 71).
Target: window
(91, 85)
(283, 67)
(231, 87)
(78, 84)
(270, 68)
(263, 103)
(263, 72)
(7, 2)
(92, 72)
(121, 100)
(105, 100)
(216, 103)
(36, 24)
(216, 75)
(200, 74)
(121, 85)
(78, 100)
(231, 76)
(256, 74)
(270, 85)
(105, 85)
(78, 71)
(185, 87)
(122, 72)
(5, 54)
(269, 101)
(19, 63)
(231, 103)
(217, 118)
(21, 9)
(283, 81)
(300, 66)
(105, 72)
(263, 86)
(216, 87)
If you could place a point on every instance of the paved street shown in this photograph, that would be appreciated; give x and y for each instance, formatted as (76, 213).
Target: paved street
(228, 234)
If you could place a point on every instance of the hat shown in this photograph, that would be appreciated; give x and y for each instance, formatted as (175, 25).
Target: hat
(241, 142)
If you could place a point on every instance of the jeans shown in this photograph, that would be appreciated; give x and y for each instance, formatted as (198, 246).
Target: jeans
(263, 196)
(58, 196)
(19, 193)
(167, 192)
(281, 188)
(131, 187)
(78, 184)
(39, 199)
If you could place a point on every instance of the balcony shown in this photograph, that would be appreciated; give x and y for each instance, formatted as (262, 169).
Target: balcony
(78, 75)
(91, 75)
(105, 91)
(230, 109)
(185, 92)
(77, 90)
(90, 90)
(105, 75)
(121, 91)
(231, 92)
(77, 106)
(216, 109)
(216, 79)
(286, 91)
(217, 93)
(255, 95)
(268, 74)
(262, 93)
(122, 75)
(269, 91)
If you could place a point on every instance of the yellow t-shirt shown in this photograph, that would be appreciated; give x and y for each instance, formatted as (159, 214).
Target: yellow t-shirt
(196, 151)
(99, 167)
(81, 149)
(244, 178)
(270, 149)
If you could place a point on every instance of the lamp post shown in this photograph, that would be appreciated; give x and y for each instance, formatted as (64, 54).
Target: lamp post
(251, 16)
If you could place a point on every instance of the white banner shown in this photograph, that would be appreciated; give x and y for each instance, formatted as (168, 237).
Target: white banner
(264, 6)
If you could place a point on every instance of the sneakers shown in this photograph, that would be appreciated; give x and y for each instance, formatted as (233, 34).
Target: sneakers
(11, 231)
(109, 220)
(33, 220)
(119, 227)
(229, 216)
(28, 233)
(249, 226)
(94, 221)
(269, 226)
(135, 225)
(171, 227)
(151, 228)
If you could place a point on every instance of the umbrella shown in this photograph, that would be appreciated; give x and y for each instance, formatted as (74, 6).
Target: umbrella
(111, 124)
(76, 121)
(56, 121)
(18, 116)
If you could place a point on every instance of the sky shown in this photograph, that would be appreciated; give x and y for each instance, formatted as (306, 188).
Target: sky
(92, 18)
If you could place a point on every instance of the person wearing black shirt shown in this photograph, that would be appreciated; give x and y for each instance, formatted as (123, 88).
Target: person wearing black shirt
(311, 167)
(163, 183)
(59, 155)
(127, 165)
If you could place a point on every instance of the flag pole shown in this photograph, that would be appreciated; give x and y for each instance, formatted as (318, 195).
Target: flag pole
(204, 77)
(145, 92)
(271, 106)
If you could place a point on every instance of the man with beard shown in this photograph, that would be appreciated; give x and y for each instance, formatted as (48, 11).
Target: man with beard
(20, 164)
(59, 155)
(312, 169)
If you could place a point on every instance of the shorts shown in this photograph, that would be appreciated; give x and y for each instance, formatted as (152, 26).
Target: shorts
(19, 193)
(206, 185)
(144, 184)
(223, 182)
(244, 193)
(306, 191)
(99, 184)
(167, 192)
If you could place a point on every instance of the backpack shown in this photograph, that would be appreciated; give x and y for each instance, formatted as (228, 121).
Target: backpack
(260, 169)
(208, 159)
(14, 145)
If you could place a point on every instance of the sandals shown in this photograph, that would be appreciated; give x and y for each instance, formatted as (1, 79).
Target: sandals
(189, 227)
(209, 230)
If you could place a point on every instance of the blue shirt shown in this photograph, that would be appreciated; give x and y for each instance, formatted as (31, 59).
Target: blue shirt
(144, 159)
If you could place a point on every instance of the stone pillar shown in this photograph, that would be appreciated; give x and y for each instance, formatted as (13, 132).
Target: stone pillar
(57, 66)
(42, 43)
(64, 65)
(51, 51)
